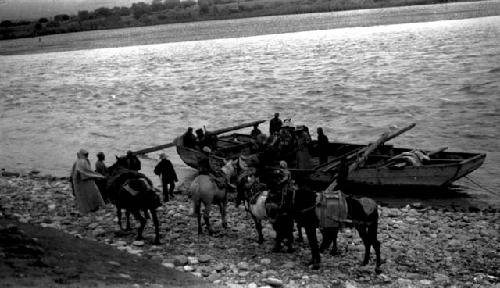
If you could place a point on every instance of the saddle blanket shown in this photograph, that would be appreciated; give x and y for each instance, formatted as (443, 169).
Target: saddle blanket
(259, 208)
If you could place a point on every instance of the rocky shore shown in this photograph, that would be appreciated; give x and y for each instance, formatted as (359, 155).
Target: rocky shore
(421, 246)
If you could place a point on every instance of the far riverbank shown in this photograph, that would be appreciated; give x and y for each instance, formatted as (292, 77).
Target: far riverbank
(248, 27)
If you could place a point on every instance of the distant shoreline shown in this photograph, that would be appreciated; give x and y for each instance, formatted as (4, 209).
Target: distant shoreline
(247, 27)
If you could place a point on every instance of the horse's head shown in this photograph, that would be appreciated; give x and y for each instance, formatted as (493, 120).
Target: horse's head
(121, 162)
(230, 170)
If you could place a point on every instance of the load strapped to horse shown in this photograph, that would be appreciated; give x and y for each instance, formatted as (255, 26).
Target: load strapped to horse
(133, 191)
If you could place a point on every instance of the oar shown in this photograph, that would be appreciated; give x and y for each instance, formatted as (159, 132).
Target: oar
(369, 149)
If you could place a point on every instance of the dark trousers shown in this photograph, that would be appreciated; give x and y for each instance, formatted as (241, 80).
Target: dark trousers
(168, 189)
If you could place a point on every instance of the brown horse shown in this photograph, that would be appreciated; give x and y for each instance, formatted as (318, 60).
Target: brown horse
(204, 189)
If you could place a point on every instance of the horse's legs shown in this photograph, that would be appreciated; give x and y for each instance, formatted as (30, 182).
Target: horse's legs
(288, 232)
(127, 215)
(366, 241)
(138, 217)
(206, 217)
(329, 237)
(197, 207)
(222, 207)
(279, 237)
(258, 227)
(157, 227)
(300, 238)
(335, 232)
(313, 244)
(372, 236)
(119, 215)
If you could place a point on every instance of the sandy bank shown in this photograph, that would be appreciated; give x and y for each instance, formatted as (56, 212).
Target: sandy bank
(421, 247)
(248, 27)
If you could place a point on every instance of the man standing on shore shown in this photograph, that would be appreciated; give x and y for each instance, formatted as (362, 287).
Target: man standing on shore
(88, 198)
(100, 168)
(166, 171)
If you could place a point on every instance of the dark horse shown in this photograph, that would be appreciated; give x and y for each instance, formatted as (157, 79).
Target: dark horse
(270, 199)
(133, 191)
(362, 213)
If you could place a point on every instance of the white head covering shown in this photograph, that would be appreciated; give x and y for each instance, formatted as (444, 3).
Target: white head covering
(82, 153)
(283, 165)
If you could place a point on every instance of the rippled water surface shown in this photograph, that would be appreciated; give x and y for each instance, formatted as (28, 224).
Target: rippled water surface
(355, 82)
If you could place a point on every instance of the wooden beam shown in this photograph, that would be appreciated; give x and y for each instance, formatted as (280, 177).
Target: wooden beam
(369, 149)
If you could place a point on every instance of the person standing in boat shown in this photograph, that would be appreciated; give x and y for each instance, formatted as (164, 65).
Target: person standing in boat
(303, 157)
(256, 131)
(275, 124)
(101, 168)
(322, 146)
(133, 162)
(166, 171)
(87, 196)
(201, 139)
(188, 139)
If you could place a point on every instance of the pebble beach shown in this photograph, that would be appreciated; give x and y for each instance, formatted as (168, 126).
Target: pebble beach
(421, 246)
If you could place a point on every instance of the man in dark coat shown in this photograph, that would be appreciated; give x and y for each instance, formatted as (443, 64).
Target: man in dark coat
(100, 168)
(133, 162)
(188, 139)
(322, 146)
(275, 124)
(166, 171)
(255, 132)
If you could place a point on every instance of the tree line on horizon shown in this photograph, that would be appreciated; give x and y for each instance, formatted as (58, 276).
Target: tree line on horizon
(175, 11)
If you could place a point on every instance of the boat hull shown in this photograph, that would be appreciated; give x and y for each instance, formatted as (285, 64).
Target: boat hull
(442, 170)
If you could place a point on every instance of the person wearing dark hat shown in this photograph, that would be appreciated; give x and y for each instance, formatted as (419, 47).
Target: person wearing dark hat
(101, 168)
(275, 124)
(322, 146)
(166, 171)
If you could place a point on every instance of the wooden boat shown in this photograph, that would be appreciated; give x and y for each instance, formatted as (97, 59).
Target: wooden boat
(442, 169)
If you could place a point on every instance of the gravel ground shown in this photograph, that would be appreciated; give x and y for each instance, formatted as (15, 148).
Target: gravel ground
(421, 247)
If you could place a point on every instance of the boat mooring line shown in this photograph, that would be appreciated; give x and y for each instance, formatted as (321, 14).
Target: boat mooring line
(482, 187)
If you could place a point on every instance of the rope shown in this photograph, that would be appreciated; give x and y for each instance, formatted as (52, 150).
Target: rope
(482, 187)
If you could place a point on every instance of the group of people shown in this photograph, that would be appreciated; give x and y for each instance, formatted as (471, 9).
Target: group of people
(203, 141)
(90, 187)
(288, 143)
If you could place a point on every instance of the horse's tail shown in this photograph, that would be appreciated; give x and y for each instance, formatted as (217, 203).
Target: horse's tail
(194, 189)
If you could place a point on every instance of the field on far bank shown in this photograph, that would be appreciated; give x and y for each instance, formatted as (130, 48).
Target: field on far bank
(235, 28)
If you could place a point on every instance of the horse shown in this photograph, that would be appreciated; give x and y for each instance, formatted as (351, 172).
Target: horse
(362, 213)
(260, 205)
(133, 191)
(204, 189)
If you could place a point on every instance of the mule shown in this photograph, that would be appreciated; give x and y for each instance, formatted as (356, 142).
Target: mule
(133, 191)
(363, 214)
(204, 189)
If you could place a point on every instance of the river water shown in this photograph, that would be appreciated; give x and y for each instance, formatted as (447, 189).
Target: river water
(355, 82)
